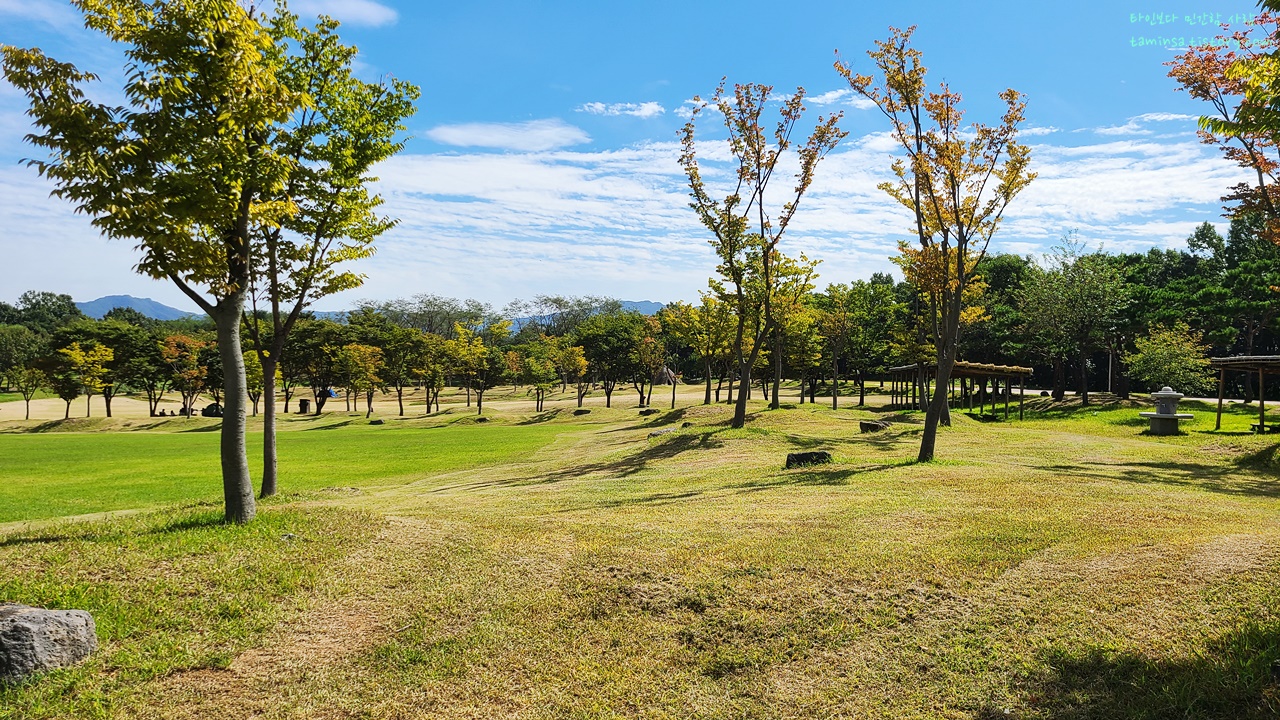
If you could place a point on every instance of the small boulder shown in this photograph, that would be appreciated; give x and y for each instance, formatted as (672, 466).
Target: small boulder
(870, 426)
(481, 419)
(377, 422)
(686, 424)
(650, 411)
(801, 459)
(34, 640)
(664, 431)
(581, 411)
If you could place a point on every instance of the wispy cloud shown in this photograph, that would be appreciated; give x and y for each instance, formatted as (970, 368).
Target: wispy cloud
(640, 110)
(617, 222)
(352, 12)
(57, 15)
(530, 136)
(1037, 131)
(1137, 125)
(1164, 117)
(841, 97)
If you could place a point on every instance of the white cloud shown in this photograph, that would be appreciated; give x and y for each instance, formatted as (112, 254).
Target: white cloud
(842, 97)
(55, 14)
(1037, 131)
(1164, 117)
(1136, 125)
(351, 12)
(617, 222)
(641, 110)
(530, 136)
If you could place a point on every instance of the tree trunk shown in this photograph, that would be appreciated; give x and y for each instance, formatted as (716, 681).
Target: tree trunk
(28, 404)
(368, 404)
(106, 398)
(862, 388)
(936, 408)
(835, 385)
(88, 405)
(479, 402)
(706, 398)
(400, 398)
(744, 384)
(775, 403)
(67, 415)
(673, 392)
(719, 386)
(269, 462)
(468, 386)
(237, 486)
(1059, 380)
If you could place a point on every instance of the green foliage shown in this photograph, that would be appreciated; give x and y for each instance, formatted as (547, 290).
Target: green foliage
(41, 312)
(1173, 356)
(19, 346)
(610, 344)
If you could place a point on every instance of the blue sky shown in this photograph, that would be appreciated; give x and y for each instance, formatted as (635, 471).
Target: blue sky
(543, 156)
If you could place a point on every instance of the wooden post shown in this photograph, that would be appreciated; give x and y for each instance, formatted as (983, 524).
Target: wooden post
(1222, 383)
(1007, 383)
(1022, 393)
(1262, 403)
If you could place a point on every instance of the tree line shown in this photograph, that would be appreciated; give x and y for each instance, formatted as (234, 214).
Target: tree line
(1084, 319)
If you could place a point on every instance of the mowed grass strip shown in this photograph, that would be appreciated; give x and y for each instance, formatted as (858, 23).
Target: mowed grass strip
(169, 592)
(45, 475)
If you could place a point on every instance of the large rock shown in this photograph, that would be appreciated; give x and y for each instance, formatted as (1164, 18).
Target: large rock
(34, 640)
(800, 459)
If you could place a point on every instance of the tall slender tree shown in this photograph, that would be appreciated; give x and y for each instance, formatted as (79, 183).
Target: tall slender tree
(333, 139)
(955, 180)
(746, 228)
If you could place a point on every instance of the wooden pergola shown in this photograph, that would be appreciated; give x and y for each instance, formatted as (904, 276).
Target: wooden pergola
(1263, 365)
(905, 381)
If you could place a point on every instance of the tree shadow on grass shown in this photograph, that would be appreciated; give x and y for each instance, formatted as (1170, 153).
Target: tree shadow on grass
(1235, 675)
(544, 416)
(658, 420)
(817, 475)
(1225, 479)
(668, 447)
(97, 532)
(333, 426)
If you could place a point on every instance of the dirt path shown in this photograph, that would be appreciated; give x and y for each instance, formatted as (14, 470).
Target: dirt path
(353, 613)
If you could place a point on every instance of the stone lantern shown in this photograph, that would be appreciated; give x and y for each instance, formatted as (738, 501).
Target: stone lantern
(1164, 421)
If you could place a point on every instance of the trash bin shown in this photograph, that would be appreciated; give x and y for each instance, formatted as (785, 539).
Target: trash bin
(304, 406)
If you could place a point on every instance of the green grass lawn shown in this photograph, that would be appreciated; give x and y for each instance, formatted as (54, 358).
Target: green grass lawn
(52, 474)
(1067, 566)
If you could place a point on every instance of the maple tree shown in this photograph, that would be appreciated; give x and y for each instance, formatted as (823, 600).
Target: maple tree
(1238, 76)
(955, 180)
(746, 229)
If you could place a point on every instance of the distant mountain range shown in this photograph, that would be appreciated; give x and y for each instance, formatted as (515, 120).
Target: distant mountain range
(146, 306)
(160, 311)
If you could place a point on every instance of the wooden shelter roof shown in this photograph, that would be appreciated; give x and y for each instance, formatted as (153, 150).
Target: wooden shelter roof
(968, 369)
(1264, 363)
